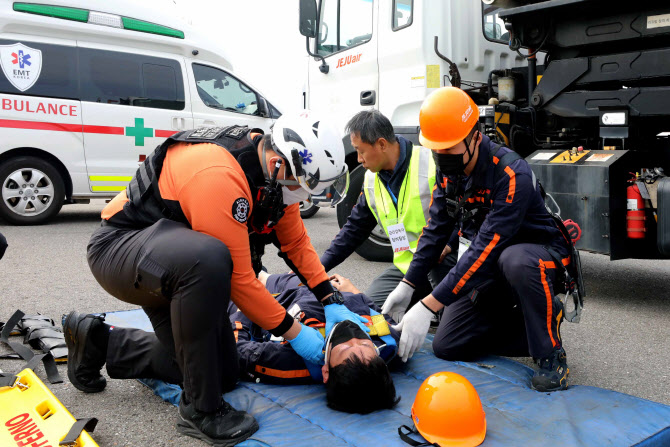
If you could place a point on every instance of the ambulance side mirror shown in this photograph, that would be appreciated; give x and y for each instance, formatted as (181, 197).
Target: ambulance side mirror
(263, 107)
(308, 18)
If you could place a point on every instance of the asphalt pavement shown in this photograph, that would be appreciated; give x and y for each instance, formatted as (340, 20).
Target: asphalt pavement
(622, 343)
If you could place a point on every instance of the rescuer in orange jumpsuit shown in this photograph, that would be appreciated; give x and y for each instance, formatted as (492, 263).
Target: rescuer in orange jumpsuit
(185, 238)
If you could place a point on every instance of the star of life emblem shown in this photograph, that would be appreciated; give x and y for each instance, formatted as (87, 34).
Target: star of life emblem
(21, 65)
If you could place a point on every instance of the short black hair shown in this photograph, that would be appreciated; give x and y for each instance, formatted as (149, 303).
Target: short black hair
(358, 387)
(371, 125)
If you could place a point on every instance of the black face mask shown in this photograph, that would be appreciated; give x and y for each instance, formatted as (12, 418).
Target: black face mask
(449, 164)
(344, 332)
(452, 164)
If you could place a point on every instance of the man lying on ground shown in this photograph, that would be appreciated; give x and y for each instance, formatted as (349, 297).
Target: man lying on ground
(355, 373)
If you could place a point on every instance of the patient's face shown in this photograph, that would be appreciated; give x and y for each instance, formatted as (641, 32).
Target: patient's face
(363, 348)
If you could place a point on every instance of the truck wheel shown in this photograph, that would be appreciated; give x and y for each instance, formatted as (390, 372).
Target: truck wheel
(31, 191)
(377, 247)
(307, 209)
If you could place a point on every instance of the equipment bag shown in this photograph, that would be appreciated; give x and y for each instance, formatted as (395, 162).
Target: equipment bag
(26, 353)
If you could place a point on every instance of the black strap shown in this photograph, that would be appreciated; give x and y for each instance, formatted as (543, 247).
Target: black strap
(503, 163)
(49, 366)
(405, 437)
(7, 380)
(29, 320)
(27, 354)
(80, 425)
(24, 352)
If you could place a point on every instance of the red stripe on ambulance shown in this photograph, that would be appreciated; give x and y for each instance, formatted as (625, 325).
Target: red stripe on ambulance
(61, 127)
(38, 125)
(103, 129)
(164, 133)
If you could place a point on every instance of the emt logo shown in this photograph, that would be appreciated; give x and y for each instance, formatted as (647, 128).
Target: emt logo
(21, 59)
(21, 65)
(306, 156)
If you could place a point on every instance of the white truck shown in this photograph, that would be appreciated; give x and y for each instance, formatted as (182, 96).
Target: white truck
(86, 92)
(389, 55)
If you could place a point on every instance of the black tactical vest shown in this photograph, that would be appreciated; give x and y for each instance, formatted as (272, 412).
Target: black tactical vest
(145, 205)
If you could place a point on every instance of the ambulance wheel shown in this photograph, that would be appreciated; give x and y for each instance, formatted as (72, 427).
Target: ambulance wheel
(32, 191)
(308, 209)
(377, 247)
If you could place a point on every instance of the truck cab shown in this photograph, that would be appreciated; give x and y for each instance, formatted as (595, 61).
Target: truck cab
(389, 55)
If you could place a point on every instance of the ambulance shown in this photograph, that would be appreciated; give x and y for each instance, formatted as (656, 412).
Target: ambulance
(88, 89)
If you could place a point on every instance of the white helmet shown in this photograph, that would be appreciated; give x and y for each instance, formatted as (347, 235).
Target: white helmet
(314, 150)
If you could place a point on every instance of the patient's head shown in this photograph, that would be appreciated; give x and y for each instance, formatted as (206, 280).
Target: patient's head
(356, 377)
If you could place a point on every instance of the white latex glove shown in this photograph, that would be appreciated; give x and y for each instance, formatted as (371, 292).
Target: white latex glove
(397, 301)
(413, 328)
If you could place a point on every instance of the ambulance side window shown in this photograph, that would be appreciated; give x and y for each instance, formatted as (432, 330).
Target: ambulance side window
(161, 86)
(221, 90)
(112, 77)
(56, 65)
(343, 24)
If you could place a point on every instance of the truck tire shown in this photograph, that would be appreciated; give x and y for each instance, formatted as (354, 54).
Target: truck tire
(308, 209)
(31, 191)
(377, 247)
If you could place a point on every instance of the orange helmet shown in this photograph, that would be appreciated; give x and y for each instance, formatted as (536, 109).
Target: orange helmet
(447, 411)
(447, 116)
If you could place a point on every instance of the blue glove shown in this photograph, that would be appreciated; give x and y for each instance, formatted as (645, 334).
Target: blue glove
(309, 344)
(339, 312)
(241, 105)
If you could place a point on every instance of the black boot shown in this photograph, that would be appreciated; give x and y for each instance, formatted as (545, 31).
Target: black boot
(85, 358)
(223, 427)
(552, 374)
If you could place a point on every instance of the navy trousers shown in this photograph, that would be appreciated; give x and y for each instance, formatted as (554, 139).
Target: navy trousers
(515, 315)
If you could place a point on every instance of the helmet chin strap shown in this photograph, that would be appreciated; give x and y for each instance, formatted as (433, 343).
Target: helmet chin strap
(273, 177)
(264, 162)
(467, 148)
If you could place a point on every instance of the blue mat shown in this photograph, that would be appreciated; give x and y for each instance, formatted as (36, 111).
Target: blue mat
(515, 415)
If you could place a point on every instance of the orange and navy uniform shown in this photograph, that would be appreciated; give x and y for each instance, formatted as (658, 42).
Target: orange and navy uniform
(209, 185)
(513, 213)
(272, 362)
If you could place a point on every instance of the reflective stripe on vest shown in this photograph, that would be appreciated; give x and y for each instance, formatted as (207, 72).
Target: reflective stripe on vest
(413, 201)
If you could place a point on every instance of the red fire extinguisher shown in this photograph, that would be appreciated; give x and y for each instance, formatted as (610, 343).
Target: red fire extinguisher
(635, 214)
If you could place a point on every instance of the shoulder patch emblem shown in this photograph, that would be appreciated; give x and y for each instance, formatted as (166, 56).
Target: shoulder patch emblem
(241, 210)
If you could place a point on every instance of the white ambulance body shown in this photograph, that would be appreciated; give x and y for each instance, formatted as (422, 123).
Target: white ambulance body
(88, 89)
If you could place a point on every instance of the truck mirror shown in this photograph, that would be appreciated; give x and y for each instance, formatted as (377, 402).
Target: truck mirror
(308, 18)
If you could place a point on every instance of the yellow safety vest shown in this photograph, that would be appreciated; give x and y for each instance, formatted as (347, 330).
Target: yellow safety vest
(413, 201)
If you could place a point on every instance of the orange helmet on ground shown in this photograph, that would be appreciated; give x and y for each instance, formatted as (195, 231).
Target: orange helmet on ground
(447, 411)
(447, 116)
